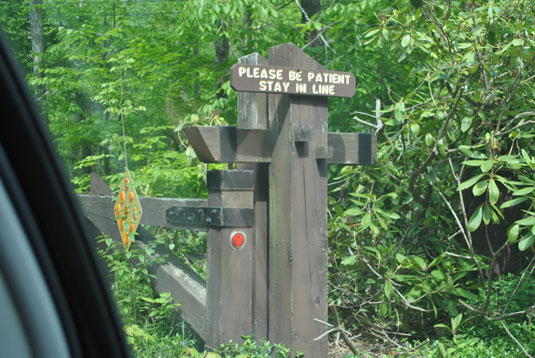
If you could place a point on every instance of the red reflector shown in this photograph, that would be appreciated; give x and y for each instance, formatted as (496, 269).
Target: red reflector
(237, 239)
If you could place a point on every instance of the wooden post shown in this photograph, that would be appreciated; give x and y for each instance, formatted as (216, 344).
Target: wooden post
(229, 279)
(252, 114)
(298, 214)
(286, 143)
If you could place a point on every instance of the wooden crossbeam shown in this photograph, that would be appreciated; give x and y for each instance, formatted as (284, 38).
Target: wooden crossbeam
(154, 209)
(227, 144)
(174, 276)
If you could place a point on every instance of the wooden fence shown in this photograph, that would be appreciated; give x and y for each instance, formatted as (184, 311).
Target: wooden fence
(274, 283)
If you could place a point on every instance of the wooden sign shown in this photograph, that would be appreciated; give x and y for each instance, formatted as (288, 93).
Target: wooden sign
(275, 79)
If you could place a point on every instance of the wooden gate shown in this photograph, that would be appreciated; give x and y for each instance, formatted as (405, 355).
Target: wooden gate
(272, 279)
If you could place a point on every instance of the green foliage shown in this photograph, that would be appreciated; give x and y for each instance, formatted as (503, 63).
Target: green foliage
(253, 349)
(408, 237)
(151, 324)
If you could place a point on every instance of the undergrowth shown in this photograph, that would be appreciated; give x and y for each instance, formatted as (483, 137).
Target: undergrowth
(152, 326)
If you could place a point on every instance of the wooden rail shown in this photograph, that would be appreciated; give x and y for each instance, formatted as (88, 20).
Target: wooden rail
(174, 276)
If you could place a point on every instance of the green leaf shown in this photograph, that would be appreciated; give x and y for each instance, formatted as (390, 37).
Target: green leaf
(487, 214)
(513, 202)
(372, 32)
(466, 123)
(353, 212)
(349, 260)
(487, 165)
(441, 325)
(512, 233)
(406, 40)
(402, 259)
(436, 261)
(466, 150)
(399, 111)
(383, 308)
(464, 293)
(494, 192)
(388, 289)
(526, 242)
(517, 42)
(523, 191)
(474, 163)
(366, 220)
(428, 139)
(527, 221)
(389, 214)
(419, 263)
(475, 220)
(479, 188)
(415, 129)
(467, 184)
(438, 275)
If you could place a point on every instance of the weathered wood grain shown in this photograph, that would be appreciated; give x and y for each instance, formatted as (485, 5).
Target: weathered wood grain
(298, 221)
(235, 145)
(186, 286)
(98, 186)
(153, 209)
(353, 148)
(229, 278)
(227, 144)
(253, 113)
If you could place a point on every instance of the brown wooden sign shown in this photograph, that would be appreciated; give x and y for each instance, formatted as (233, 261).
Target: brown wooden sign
(276, 79)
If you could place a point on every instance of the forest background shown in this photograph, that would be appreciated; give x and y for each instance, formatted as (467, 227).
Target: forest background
(431, 249)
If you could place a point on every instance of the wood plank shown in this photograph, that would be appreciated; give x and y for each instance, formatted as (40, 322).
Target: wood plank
(153, 209)
(353, 148)
(231, 145)
(298, 216)
(173, 276)
(229, 276)
(226, 144)
(98, 186)
(253, 113)
(186, 286)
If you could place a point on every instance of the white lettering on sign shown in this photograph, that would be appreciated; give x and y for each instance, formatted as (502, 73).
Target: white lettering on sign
(273, 79)
(294, 75)
(273, 86)
(256, 72)
(323, 89)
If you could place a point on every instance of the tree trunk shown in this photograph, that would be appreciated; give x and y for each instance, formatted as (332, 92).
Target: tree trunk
(38, 46)
(36, 29)
(311, 8)
(222, 49)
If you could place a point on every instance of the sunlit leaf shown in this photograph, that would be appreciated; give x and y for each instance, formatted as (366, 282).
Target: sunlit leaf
(527, 221)
(494, 192)
(523, 191)
(487, 165)
(388, 289)
(512, 233)
(475, 220)
(526, 242)
(513, 202)
(468, 183)
(479, 188)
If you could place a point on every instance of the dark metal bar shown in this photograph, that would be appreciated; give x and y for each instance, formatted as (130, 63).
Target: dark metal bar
(211, 216)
